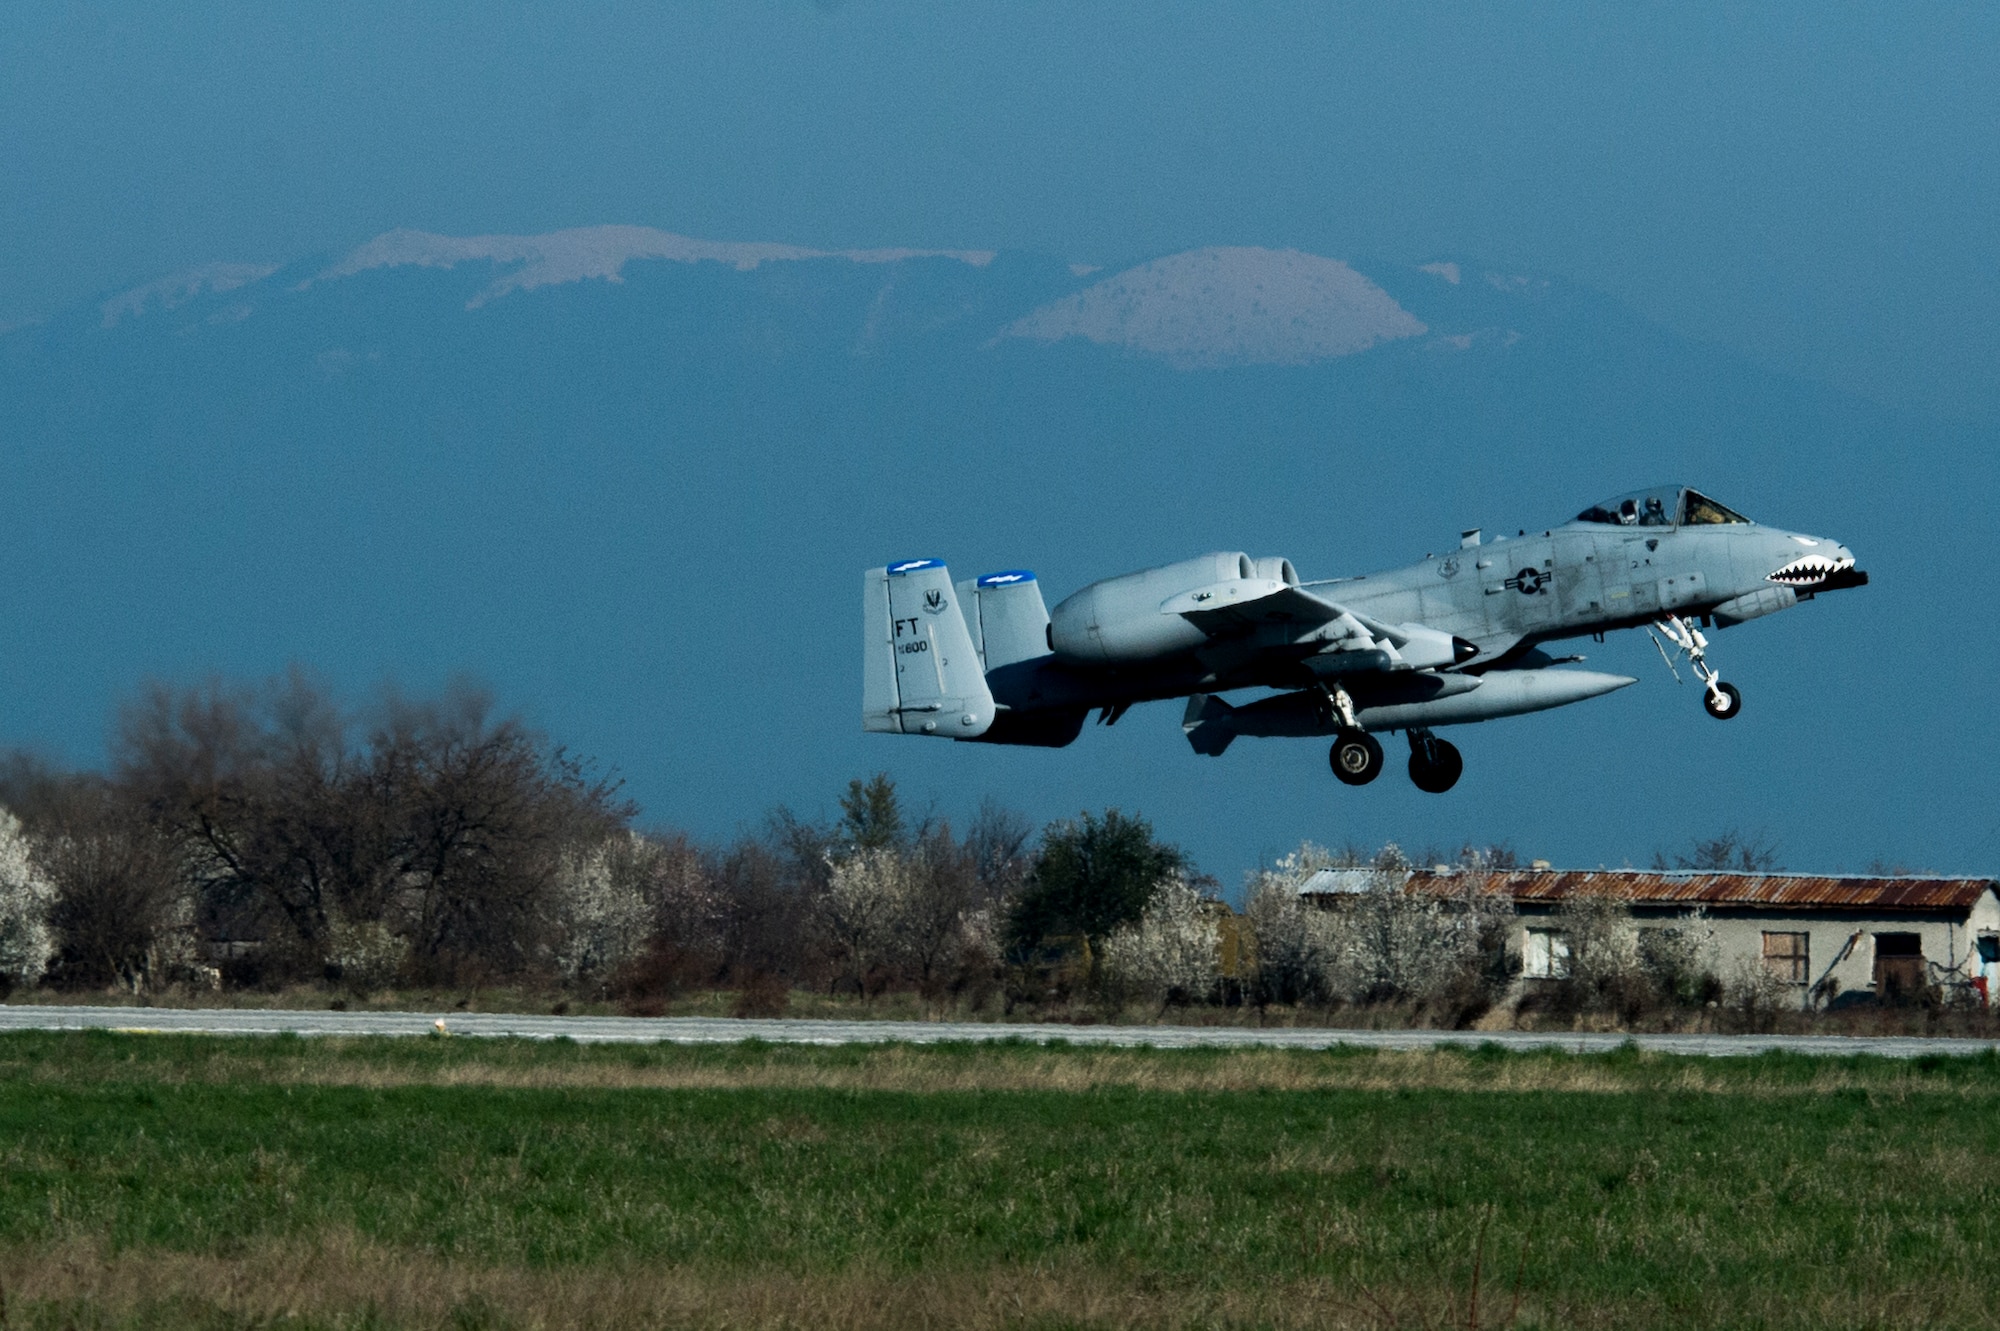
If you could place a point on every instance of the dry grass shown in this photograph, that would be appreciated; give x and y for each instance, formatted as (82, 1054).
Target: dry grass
(383, 1063)
(346, 1281)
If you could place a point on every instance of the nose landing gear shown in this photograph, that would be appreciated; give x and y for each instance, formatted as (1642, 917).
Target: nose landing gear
(1435, 764)
(1721, 701)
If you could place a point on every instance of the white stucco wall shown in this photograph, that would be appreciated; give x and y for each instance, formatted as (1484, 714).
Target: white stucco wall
(1840, 947)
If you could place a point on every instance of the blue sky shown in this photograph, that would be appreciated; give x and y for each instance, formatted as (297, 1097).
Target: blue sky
(1814, 186)
(1813, 189)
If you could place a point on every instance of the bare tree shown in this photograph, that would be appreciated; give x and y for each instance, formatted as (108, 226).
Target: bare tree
(1728, 851)
(124, 911)
(485, 813)
(999, 842)
(446, 826)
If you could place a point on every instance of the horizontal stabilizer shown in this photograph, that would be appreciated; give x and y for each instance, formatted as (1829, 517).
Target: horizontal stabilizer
(1207, 724)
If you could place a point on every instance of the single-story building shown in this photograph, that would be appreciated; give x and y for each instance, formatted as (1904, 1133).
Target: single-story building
(1834, 937)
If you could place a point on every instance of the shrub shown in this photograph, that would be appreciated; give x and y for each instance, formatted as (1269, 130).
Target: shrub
(1755, 997)
(27, 943)
(867, 900)
(1091, 876)
(1678, 959)
(365, 955)
(1295, 946)
(1397, 946)
(125, 910)
(1173, 954)
(603, 916)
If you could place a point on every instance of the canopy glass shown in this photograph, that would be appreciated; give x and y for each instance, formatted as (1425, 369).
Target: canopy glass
(1661, 506)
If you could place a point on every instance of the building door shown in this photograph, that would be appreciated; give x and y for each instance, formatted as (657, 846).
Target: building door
(1899, 967)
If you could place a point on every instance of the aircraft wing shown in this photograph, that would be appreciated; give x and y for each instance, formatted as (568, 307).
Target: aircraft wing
(1244, 603)
(1243, 606)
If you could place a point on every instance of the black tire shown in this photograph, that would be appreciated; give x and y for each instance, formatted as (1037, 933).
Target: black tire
(1731, 702)
(1356, 757)
(1435, 766)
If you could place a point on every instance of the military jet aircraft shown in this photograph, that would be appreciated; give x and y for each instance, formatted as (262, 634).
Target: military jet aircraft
(1448, 641)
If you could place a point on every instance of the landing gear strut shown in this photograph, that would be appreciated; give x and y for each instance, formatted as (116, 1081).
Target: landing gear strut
(1435, 764)
(1721, 701)
(1356, 756)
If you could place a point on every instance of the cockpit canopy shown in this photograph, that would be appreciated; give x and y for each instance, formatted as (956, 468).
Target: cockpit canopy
(1661, 506)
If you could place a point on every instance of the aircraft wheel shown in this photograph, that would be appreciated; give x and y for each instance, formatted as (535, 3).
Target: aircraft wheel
(1356, 757)
(1435, 766)
(1725, 707)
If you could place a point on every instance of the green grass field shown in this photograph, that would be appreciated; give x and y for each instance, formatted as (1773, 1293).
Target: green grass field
(169, 1181)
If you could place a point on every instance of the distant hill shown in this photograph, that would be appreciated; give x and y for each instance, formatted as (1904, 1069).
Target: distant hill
(632, 478)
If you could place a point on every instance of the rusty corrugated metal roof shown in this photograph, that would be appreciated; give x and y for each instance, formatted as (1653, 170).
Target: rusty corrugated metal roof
(1702, 888)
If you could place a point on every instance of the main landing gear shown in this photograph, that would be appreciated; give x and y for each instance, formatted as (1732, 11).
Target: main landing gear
(1721, 701)
(1435, 764)
(1356, 756)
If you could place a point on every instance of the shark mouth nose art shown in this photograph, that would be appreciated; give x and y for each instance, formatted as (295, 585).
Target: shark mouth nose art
(1809, 570)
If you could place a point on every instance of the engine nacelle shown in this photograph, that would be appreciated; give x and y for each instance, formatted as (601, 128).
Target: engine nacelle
(1119, 620)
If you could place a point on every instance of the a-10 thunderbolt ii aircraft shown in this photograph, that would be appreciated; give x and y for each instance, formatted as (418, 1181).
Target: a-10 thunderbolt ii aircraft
(1444, 642)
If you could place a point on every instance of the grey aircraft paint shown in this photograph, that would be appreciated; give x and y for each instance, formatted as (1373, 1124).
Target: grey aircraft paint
(1447, 641)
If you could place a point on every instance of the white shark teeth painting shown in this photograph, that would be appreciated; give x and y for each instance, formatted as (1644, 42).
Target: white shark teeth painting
(1808, 570)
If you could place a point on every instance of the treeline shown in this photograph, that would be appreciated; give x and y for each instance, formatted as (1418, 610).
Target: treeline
(259, 838)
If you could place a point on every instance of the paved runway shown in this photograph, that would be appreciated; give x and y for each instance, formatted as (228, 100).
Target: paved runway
(723, 1030)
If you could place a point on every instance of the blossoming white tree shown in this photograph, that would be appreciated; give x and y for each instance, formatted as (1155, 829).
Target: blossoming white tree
(604, 906)
(26, 942)
(869, 897)
(1296, 945)
(1174, 952)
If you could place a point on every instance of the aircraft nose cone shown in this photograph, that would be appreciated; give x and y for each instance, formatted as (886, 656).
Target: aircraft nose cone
(1833, 570)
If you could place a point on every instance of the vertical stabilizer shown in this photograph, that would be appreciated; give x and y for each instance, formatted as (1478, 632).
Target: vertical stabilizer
(1013, 621)
(920, 672)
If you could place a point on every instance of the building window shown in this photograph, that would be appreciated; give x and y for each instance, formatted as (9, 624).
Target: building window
(1546, 956)
(1786, 956)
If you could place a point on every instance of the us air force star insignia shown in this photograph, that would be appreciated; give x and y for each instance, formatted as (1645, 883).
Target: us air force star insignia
(1528, 581)
(934, 601)
(1448, 567)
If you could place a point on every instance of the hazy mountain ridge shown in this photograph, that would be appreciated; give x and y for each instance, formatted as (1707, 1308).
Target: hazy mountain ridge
(1205, 308)
(640, 507)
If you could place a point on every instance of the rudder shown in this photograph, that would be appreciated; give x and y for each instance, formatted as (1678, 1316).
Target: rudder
(920, 672)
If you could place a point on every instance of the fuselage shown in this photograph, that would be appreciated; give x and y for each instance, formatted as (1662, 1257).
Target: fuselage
(1514, 593)
(1622, 564)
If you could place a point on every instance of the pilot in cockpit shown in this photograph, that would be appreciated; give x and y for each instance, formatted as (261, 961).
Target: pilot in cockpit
(1656, 513)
